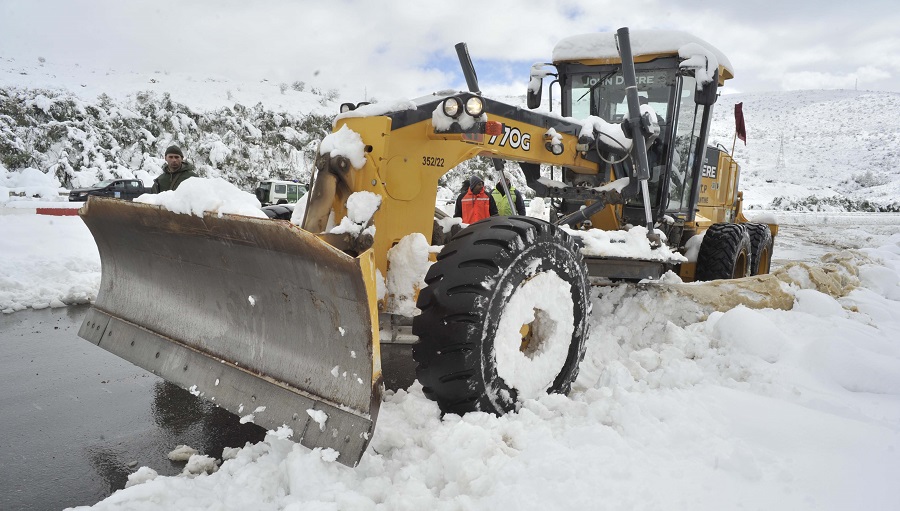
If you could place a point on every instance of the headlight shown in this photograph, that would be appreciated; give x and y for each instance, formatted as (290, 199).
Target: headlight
(452, 107)
(347, 107)
(474, 106)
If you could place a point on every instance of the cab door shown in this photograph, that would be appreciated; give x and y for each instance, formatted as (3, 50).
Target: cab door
(133, 189)
(117, 190)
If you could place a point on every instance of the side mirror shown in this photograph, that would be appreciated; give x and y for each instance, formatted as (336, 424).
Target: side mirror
(534, 96)
(536, 84)
(709, 93)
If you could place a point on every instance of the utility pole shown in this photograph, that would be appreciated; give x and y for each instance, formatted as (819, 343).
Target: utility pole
(780, 163)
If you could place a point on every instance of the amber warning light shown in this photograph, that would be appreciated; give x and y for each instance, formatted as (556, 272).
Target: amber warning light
(493, 128)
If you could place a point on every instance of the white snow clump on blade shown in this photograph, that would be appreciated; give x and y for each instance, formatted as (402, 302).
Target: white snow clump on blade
(198, 195)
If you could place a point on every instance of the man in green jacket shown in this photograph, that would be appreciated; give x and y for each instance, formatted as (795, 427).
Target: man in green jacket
(503, 208)
(175, 171)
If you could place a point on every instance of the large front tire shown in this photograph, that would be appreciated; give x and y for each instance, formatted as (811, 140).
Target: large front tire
(724, 253)
(504, 316)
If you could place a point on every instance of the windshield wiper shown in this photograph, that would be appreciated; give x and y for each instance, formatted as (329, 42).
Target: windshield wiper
(599, 83)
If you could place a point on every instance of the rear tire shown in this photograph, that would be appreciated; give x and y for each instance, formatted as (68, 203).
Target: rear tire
(761, 245)
(724, 253)
(477, 353)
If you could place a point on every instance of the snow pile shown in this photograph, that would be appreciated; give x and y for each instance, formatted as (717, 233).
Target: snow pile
(197, 195)
(787, 405)
(30, 183)
(676, 407)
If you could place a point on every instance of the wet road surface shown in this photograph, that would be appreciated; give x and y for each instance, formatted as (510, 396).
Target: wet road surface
(76, 420)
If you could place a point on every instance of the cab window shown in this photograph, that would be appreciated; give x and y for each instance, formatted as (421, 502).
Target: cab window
(687, 128)
(602, 93)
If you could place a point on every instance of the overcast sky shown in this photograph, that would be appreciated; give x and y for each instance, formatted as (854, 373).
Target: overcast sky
(402, 48)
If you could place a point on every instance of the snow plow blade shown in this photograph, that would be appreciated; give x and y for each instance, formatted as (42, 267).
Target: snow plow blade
(257, 316)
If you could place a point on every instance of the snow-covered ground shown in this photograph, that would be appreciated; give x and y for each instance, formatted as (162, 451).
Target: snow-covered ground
(677, 406)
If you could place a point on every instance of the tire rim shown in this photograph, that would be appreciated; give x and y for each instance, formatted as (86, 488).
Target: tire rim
(765, 262)
(741, 266)
(534, 334)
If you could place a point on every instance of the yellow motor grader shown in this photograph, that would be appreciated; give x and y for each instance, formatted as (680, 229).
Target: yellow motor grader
(285, 325)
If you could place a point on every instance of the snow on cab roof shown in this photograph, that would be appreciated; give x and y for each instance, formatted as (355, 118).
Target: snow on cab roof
(643, 42)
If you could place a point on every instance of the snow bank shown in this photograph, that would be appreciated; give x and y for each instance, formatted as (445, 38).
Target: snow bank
(30, 183)
(47, 262)
(676, 406)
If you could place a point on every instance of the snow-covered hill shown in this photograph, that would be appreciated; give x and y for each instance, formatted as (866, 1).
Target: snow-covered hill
(817, 149)
(831, 150)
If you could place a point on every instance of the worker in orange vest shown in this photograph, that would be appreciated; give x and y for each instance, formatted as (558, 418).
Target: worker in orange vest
(473, 204)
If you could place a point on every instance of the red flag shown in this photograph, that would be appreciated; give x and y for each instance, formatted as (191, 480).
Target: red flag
(739, 122)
